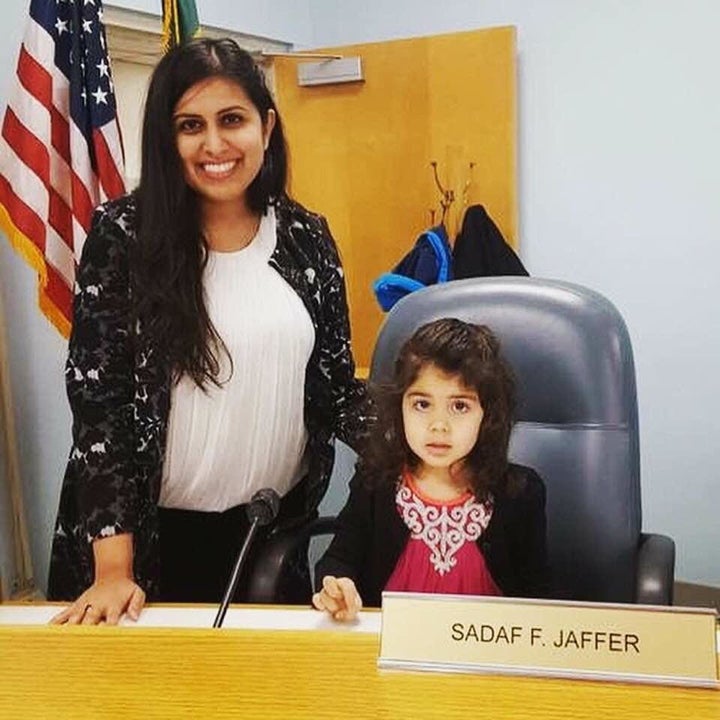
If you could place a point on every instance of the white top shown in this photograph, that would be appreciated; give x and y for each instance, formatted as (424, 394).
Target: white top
(226, 443)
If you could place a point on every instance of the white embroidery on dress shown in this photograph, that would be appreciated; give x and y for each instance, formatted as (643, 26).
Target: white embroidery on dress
(443, 529)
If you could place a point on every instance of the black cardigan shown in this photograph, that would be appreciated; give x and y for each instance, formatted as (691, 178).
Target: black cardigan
(119, 389)
(372, 535)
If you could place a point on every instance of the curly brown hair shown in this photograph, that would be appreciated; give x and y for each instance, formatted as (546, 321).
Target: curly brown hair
(471, 353)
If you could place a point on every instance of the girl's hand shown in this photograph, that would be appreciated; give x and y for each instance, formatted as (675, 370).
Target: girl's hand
(104, 601)
(339, 597)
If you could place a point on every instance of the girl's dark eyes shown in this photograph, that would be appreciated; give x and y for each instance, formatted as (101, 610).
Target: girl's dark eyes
(456, 407)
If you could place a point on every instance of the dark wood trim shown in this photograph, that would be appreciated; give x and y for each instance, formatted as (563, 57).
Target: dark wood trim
(692, 595)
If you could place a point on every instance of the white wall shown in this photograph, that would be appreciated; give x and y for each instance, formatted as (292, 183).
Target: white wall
(619, 150)
(131, 81)
(286, 20)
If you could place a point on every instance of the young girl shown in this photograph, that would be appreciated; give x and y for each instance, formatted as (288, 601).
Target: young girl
(435, 505)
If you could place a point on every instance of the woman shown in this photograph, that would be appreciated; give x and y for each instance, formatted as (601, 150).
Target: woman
(210, 352)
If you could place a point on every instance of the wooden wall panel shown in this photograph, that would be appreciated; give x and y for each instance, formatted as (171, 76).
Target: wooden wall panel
(360, 153)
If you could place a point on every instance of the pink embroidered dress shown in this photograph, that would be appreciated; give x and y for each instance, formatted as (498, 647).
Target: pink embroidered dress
(441, 555)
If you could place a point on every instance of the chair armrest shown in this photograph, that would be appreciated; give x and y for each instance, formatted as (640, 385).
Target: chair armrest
(279, 550)
(656, 570)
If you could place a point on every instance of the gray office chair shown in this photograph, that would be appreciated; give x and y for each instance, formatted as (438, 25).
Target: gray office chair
(576, 425)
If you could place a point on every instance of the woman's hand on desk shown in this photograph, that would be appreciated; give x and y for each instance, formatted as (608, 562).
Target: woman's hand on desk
(114, 591)
(104, 602)
(339, 597)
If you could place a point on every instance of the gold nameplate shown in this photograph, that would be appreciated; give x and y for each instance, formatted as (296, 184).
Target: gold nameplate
(630, 643)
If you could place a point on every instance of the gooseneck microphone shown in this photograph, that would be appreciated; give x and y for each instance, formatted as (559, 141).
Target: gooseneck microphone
(261, 510)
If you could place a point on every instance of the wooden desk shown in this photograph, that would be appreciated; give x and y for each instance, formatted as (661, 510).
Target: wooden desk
(159, 672)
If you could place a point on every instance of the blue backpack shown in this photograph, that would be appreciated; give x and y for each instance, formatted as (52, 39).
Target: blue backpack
(429, 262)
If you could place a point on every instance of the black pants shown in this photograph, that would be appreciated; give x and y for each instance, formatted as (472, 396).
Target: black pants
(198, 551)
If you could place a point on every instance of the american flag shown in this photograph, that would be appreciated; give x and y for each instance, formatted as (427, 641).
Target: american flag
(60, 150)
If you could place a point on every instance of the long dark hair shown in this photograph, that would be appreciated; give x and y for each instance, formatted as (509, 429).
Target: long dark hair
(471, 353)
(171, 252)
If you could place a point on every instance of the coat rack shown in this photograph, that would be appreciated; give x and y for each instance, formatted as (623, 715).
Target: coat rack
(447, 195)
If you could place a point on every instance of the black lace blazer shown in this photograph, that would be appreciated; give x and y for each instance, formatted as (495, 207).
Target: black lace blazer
(119, 391)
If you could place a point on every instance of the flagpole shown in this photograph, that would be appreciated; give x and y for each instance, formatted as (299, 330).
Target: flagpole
(21, 545)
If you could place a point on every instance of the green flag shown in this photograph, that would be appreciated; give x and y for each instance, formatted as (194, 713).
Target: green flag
(180, 22)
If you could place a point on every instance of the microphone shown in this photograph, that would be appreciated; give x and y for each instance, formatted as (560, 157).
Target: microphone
(261, 510)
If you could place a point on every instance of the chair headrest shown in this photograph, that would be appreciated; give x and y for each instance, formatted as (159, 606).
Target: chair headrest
(568, 345)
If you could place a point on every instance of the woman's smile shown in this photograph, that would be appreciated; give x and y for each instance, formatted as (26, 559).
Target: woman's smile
(219, 170)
